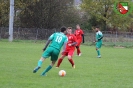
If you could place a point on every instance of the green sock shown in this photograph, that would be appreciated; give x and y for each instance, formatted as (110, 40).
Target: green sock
(39, 63)
(98, 52)
(46, 70)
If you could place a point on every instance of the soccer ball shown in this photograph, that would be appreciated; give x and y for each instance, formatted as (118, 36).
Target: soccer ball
(62, 73)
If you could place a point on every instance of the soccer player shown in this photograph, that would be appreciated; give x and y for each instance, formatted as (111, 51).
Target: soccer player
(69, 49)
(57, 40)
(80, 38)
(98, 41)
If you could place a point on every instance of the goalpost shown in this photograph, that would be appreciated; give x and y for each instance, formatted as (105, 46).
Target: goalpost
(11, 20)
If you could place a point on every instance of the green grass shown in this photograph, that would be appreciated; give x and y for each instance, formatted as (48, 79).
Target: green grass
(18, 59)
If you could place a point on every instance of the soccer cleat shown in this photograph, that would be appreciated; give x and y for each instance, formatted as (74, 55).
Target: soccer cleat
(79, 54)
(56, 67)
(36, 69)
(99, 56)
(43, 75)
(73, 66)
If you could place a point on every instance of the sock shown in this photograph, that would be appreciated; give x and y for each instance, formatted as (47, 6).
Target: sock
(46, 70)
(71, 61)
(78, 51)
(59, 62)
(98, 52)
(39, 63)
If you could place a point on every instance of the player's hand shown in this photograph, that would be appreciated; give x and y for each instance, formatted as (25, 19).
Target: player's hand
(44, 49)
(69, 44)
(83, 41)
(94, 41)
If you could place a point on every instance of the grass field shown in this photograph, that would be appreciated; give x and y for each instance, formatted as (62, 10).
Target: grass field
(18, 59)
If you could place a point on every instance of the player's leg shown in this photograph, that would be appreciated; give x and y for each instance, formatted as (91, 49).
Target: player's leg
(54, 57)
(39, 65)
(78, 47)
(45, 55)
(60, 60)
(98, 53)
(98, 46)
(70, 54)
(48, 68)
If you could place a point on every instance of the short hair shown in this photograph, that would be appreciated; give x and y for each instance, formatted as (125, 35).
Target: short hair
(77, 25)
(69, 27)
(62, 29)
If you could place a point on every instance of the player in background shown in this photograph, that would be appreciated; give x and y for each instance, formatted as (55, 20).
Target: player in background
(56, 41)
(80, 38)
(69, 49)
(98, 41)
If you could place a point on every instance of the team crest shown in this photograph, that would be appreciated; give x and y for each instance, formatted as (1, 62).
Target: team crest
(122, 7)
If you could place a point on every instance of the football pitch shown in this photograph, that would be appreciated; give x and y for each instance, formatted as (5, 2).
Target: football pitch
(18, 59)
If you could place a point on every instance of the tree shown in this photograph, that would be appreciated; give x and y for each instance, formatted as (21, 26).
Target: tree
(103, 11)
(4, 12)
(47, 13)
(40, 13)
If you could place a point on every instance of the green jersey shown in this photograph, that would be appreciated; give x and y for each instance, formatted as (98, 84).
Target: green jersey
(57, 40)
(99, 36)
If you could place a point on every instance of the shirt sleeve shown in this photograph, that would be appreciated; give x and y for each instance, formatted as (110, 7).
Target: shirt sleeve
(81, 31)
(100, 34)
(51, 37)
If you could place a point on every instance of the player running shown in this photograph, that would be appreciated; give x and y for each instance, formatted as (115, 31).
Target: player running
(98, 41)
(69, 49)
(57, 41)
(80, 38)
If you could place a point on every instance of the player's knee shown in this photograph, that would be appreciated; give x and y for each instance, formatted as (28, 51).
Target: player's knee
(62, 57)
(53, 62)
(42, 58)
(69, 56)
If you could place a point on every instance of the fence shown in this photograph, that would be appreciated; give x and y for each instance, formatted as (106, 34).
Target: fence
(27, 33)
(110, 38)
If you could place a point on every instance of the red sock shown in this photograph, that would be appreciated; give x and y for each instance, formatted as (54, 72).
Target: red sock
(78, 51)
(71, 61)
(59, 62)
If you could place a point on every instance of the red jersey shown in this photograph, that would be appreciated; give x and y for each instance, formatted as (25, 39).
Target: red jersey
(78, 33)
(71, 39)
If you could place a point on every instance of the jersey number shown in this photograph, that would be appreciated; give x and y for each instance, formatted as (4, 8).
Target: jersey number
(58, 39)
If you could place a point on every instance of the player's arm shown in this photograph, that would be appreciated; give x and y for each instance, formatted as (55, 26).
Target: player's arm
(46, 45)
(83, 38)
(100, 36)
(74, 41)
(64, 46)
(82, 34)
(48, 42)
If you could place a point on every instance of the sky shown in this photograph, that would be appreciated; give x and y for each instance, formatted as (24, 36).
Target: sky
(77, 2)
